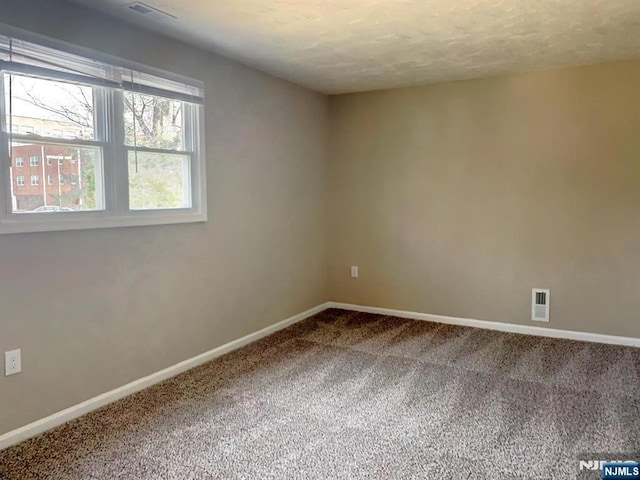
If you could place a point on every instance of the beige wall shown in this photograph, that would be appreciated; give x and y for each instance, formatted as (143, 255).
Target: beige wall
(93, 310)
(458, 198)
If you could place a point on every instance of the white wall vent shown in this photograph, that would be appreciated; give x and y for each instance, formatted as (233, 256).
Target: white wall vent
(148, 11)
(540, 305)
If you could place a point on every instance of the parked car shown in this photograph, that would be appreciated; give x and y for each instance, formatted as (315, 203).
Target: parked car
(52, 208)
(47, 209)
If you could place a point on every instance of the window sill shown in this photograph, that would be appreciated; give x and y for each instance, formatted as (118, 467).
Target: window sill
(46, 222)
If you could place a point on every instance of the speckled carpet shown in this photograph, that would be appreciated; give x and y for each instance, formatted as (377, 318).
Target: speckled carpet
(352, 395)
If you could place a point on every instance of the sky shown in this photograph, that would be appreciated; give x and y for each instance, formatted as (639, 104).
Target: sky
(55, 95)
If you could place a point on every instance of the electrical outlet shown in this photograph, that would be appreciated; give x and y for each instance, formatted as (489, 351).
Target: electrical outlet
(354, 272)
(12, 362)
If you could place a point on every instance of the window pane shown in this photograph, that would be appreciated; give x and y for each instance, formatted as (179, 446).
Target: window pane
(153, 122)
(47, 107)
(158, 181)
(82, 165)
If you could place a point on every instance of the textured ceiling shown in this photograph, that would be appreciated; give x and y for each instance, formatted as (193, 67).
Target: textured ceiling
(336, 46)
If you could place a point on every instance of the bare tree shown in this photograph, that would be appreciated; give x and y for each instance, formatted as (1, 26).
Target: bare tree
(149, 120)
(81, 115)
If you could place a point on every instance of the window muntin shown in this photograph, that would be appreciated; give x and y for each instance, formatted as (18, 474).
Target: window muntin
(20, 180)
(94, 118)
(19, 162)
(35, 180)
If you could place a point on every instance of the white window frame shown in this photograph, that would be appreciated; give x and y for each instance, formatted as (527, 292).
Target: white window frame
(34, 161)
(20, 180)
(109, 123)
(19, 162)
(35, 180)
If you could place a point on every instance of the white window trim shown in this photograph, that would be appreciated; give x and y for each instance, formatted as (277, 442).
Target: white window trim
(116, 211)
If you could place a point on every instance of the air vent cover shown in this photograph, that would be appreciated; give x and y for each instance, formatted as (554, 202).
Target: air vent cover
(540, 305)
(148, 11)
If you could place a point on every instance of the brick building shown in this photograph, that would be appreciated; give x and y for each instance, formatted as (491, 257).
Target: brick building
(45, 175)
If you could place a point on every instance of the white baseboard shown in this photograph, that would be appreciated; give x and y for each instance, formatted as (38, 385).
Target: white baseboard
(503, 327)
(47, 423)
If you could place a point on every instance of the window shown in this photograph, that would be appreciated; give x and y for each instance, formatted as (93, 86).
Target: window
(127, 140)
(19, 162)
(20, 180)
(158, 163)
